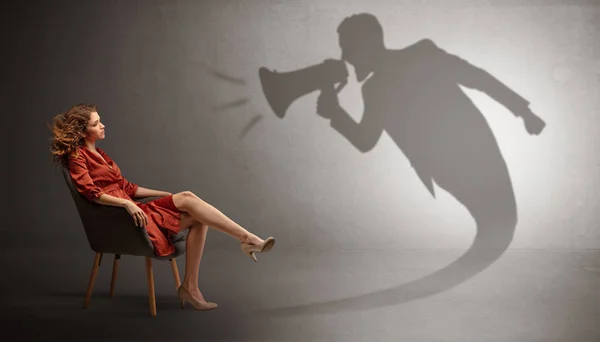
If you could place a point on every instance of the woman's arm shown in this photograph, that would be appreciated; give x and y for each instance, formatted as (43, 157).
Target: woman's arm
(133, 190)
(82, 179)
(107, 199)
(144, 192)
(139, 217)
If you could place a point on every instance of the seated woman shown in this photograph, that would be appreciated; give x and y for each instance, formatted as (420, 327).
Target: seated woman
(99, 179)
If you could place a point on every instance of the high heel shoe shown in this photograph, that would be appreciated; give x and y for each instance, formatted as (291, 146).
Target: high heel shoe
(184, 295)
(250, 249)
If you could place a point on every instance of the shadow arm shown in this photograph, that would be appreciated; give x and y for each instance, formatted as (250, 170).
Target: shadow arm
(474, 77)
(363, 135)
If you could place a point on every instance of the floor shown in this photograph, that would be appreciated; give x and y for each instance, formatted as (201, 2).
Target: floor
(310, 295)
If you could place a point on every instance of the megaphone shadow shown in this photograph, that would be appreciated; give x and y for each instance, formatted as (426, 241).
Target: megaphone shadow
(414, 96)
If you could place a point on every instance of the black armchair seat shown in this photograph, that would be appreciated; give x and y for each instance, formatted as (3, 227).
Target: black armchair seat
(111, 230)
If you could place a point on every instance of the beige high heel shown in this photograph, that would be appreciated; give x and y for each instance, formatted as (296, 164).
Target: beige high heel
(184, 295)
(250, 249)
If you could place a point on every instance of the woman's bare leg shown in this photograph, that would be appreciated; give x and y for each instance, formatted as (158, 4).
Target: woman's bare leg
(212, 217)
(195, 248)
(195, 242)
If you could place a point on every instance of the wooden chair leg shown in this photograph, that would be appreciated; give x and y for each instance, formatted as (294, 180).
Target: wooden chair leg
(115, 270)
(176, 276)
(88, 293)
(151, 295)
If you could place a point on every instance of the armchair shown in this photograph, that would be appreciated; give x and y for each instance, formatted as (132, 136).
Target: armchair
(111, 230)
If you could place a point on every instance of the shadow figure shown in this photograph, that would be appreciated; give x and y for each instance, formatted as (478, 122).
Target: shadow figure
(414, 95)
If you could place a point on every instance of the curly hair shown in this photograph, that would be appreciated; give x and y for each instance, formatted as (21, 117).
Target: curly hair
(68, 131)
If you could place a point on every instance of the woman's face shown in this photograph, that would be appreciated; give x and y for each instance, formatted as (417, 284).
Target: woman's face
(95, 129)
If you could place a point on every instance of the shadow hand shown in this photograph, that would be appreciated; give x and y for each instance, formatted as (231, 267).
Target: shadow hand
(533, 123)
(327, 103)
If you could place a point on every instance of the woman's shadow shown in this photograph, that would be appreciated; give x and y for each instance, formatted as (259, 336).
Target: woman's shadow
(414, 95)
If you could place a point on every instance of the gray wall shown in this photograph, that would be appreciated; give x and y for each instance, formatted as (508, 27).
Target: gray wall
(175, 122)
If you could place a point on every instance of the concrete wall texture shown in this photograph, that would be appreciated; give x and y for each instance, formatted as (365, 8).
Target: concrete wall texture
(178, 89)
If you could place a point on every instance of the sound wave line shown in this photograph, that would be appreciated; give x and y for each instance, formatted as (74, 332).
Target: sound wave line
(253, 122)
(224, 76)
(236, 103)
(232, 104)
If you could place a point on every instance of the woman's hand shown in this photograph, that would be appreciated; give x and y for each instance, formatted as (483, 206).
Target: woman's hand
(139, 216)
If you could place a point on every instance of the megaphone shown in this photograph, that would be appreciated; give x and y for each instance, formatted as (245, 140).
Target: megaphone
(281, 89)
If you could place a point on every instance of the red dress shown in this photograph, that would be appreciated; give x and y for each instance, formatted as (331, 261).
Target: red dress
(94, 176)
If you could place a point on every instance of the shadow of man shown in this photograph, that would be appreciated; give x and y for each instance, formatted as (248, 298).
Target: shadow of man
(414, 95)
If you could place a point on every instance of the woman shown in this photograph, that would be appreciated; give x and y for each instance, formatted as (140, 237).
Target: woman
(99, 179)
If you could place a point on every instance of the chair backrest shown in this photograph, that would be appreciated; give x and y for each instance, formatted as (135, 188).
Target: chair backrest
(109, 229)
(81, 203)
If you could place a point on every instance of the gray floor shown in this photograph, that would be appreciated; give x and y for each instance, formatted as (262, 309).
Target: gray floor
(310, 295)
